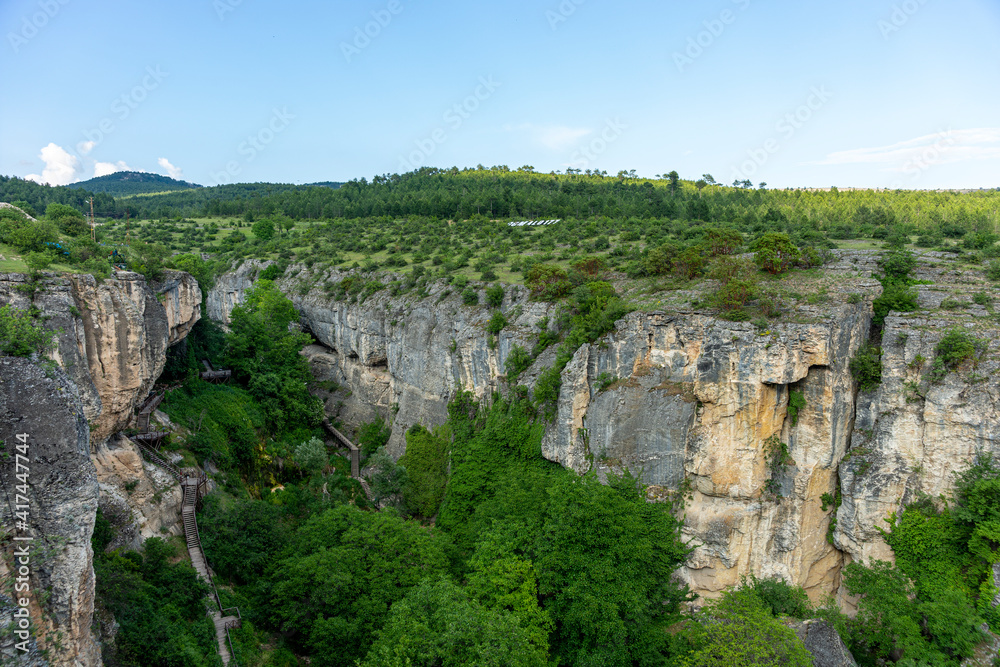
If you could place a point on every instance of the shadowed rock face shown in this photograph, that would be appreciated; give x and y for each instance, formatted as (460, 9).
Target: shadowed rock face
(113, 335)
(45, 404)
(112, 338)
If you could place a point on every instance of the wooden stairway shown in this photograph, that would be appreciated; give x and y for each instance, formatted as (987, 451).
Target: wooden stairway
(192, 494)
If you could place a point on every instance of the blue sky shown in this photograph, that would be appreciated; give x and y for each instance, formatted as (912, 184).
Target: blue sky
(879, 93)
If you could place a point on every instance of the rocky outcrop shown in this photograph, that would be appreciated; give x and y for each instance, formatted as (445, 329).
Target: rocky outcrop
(823, 643)
(180, 296)
(230, 288)
(111, 339)
(140, 499)
(404, 358)
(62, 494)
(690, 401)
(112, 335)
(912, 433)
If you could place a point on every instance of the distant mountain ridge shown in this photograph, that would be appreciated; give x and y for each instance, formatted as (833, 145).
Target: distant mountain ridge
(124, 183)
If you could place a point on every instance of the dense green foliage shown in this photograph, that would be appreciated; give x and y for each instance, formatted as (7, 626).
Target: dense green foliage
(897, 293)
(159, 607)
(739, 629)
(426, 463)
(21, 334)
(264, 354)
(344, 571)
(438, 625)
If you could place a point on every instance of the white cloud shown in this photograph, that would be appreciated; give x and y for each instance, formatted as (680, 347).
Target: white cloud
(554, 137)
(172, 171)
(85, 147)
(105, 168)
(944, 147)
(60, 167)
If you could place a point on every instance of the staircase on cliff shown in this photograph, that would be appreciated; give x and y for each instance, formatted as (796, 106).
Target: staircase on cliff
(194, 489)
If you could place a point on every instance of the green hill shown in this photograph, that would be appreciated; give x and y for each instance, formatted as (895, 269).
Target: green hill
(126, 183)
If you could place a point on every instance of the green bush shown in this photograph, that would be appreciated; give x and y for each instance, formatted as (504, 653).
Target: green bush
(29, 236)
(896, 266)
(956, 346)
(895, 297)
(70, 221)
(739, 629)
(311, 456)
(866, 367)
(21, 334)
(496, 323)
(517, 362)
(781, 598)
(494, 296)
(548, 282)
(993, 270)
(426, 463)
(372, 435)
(470, 297)
(796, 401)
(775, 252)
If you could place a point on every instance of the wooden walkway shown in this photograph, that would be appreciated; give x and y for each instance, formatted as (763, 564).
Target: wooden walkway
(355, 452)
(193, 491)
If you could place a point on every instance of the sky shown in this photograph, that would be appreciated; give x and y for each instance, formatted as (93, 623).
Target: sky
(859, 93)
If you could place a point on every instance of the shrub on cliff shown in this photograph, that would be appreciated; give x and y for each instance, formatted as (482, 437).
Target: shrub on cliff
(738, 629)
(21, 334)
(866, 367)
(426, 463)
(775, 252)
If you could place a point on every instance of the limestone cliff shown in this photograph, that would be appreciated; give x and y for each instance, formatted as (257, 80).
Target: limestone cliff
(685, 396)
(44, 404)
(404, 358)
(229, 288)
(113, 334)
(688, 402)
(111, 342)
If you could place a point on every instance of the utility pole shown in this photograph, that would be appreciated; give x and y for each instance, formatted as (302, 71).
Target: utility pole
(93, 230)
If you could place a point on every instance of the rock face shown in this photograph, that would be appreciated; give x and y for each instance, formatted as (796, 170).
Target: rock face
(113, 335)
(229, 288)
(912, 434)
(62, 498)
(111, 342)
(825, 645)
(684, 401)
(689, 402)
(404, 358)
(137, 497)
(689, 397)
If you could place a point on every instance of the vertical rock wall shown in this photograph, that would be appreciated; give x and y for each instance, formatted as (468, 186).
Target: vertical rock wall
(111, 342)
